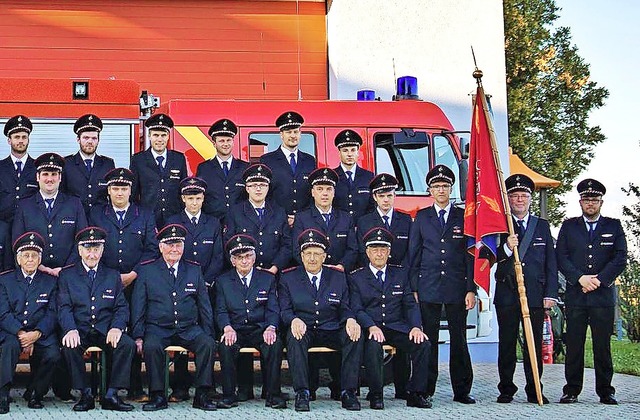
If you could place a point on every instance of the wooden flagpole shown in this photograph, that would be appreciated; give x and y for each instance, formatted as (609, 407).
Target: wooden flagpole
(522, 292)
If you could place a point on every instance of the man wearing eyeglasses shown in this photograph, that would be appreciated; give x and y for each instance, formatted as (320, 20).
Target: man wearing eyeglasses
(247, 312)
(592, 253)
(535, 247)
(442, 275)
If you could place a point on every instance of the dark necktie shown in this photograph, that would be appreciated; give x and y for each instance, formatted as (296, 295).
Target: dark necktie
(49, 202)
(260, 212)
(386, 222)
(592, 229)
(194, 221)
(18, 168)
(292, 162)
(348, 173)
(92, 275)
(521, 228)
(379, 277)
(225, 168)
(245, 284)
(120, 214)
(314, 282)
(441, 214)
(327, 219)
(28, 279)
(160, 159)
(172, 270)
(88, 163)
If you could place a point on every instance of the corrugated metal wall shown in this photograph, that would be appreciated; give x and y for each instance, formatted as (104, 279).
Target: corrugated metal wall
(175, 49)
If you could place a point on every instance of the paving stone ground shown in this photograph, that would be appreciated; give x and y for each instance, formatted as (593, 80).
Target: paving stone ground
(484, 389)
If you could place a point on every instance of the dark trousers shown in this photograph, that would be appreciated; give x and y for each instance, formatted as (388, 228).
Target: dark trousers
(600, 319)
(298, 356)
(271, 355)
(135, 380)
(509, 320)
(459, 360)
(119, 359)
(44, 357)
(401, 367)
(418, 354)
(203, 346)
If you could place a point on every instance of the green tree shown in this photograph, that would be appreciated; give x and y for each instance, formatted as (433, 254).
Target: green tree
(549, 96)
(629, 289)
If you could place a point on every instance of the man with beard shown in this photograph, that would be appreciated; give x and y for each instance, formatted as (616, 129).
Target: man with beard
(17, 171)
(223, 173)
(83, 173)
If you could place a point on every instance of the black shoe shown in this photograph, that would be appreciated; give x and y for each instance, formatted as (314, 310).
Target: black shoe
(275, 402)
(179, 395)
(417, 400)
(35, 403)
(245, 394)
(312, 395)
(115, 403)
(26, 395)
(401, 396)
(609, 400)
(534, 400)
(156, 402)
(138, 396)
(376, 402)
(569, 399)
(225, 402)
(504, 398)
(203, 402)
(350, 401)
(302, 401)
(66, 397)
(86, 403)
(4, 405)
(464, 399)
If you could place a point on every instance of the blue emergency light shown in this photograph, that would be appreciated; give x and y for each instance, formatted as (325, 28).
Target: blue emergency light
(366, 95)
(406, 88)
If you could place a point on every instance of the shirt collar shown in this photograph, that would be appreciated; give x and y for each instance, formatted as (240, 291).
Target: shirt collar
(318, 275)
(587, 221)
(438, 208)
(248, 276)
(353, 170)
(288, 152)
(525, 219)
(86, 267)
(14, 159)
(55, 196)
(389, 215)
(322, 212)
(29, 275)
(190, 216)
(164, 155)
(175, 266)
(124, 209)
(375, 271)
(229, 161)
(85, 157)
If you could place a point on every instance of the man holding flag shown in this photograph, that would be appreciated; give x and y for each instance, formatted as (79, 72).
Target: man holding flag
(442, 274)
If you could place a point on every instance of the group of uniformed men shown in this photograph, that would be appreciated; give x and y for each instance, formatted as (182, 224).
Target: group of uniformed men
(274, 255)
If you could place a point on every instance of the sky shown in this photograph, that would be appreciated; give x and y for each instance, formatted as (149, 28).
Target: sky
(607, 35)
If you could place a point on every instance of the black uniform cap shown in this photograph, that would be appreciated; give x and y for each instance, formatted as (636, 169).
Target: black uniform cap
(323, 176)
(591, 188)
(440, 173)
(16, 124)
(172, 233)
(347, 138)
(256, 173)
(50, 162)
(90, 236)
(289, 120)
(29, 241)
(119, 176)
(240, 243)
(159, 122)
(377, 236)
(192, 185)
(519, 182)
(383, 183)
(88, 122)
(312, 237)
(223, 127)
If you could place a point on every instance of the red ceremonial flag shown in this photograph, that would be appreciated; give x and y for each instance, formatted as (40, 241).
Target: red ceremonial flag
(484, 215)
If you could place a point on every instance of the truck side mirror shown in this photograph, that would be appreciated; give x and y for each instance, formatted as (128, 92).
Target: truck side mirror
(464, 147)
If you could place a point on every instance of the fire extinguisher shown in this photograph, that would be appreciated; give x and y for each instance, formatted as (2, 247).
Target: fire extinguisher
(547, 340)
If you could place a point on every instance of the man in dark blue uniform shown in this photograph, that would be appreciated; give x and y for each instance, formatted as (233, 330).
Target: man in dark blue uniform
(537, 253)
(247, 312)
(83, 173)
(315, 307)
(93, 311)
(158, 171)
(202, 245)
(591, 252)
(262, 219)
(385, 307)
(336, 224)
(131, 239)
(17, 171)
(170, 306)
(27, 321)
(442, 274)
(291, 167)
(352, 189)
(55, 215)
(222, 173)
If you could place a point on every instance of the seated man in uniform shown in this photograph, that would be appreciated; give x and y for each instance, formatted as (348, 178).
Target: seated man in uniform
(93, 311)
(27, 320)
(170, 306)
(247, 311)
(384, 304)
(314, 304)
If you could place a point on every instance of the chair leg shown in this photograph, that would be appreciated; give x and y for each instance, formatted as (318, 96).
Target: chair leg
(94, 373)
(167, 362)
(103, 373)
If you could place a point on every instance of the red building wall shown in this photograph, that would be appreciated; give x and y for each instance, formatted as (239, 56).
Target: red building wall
(238, 49)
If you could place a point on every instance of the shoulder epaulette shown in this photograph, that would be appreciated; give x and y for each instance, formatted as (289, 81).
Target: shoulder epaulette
(147, 262)
(192, 262)
(7, 271)
(286, 270)
(68, 266)
(395, 265)
(356, 270)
